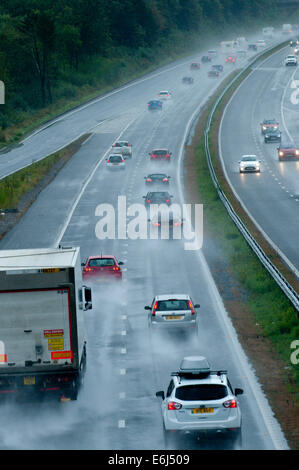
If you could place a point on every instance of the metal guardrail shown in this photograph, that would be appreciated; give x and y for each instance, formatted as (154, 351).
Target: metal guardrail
(274, 272)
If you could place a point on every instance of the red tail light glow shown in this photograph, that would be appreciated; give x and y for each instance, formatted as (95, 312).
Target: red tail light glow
(149, 180)
(148, 200)
(173, 405)
(165, 180)
(191, 307)
(155, 308)
(230, 404)
(167, 200)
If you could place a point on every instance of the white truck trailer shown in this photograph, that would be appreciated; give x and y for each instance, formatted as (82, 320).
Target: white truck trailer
(42, 334)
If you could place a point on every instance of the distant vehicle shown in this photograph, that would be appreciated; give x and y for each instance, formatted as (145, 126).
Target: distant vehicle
(296, 50)
(230, 60)
(102, 268)
(288, 151)
(153, 179)
(188, 80)
(43, 338)
(272, 135)
(122, 147)
(116, 161)
(212, 53)
(268, 31)
(172, 310)
(294, 42)
(160, 154)
(205, 59)
(217, 67)
(290, 60)
(213, 73)
(164, 95)
(195, 66)
(249, 164)
(228, 47)
(261, 43)
(198, 400)
(241, 53)
(154, 105)
(252, 47)
(287, 28)
(157, 197)
(166, 223)
(267, 124)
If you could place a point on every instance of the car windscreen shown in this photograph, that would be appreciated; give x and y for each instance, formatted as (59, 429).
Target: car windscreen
(115, 159)
(101, 262)
(202, 392)
(173, 304)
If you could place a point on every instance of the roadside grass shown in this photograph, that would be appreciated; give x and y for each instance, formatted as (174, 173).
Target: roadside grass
(15, 186)
(272, 312)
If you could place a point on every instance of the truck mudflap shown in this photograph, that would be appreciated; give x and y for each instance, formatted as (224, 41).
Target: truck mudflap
(63, 386)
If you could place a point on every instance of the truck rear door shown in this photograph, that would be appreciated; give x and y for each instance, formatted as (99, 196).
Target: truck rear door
(35, 328)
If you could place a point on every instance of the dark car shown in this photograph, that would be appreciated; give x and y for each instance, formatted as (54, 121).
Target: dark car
(272, 135)
(195, 66)
(213, 73)
(154, 104)
(217, 67)
(188, 80)
(157, 179)
(205, 59)
(157, 197)
(160, 154)
(252, 47)
(288, 151)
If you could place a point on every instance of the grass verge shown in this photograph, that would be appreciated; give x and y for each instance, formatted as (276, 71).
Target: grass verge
(265, 320)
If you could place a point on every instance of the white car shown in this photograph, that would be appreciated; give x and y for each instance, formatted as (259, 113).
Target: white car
(261, 43)
(172, 310)
(290, 60)
(164, 95)
(250, 164)
(115, 161)
(122, 147)
(199, 399)
(212, 53)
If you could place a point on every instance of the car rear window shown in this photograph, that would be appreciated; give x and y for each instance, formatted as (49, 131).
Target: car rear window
(102, 262)
(167, 305)
(115, 159)
(160, 152)
(203, 392)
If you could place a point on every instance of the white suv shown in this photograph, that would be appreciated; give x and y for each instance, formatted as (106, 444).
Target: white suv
(291, 60)
(199, 399)
(122, 147)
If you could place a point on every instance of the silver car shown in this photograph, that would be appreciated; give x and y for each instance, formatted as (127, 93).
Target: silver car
(249, 164)
(172, 310)
(198, 400)
(115, 162)
(122, 147)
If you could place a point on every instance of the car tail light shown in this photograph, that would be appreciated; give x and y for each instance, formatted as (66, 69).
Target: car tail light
(108, 161)
(87, 270)
(157, 224)
(167, 155)
(165, 180)
(155, 308)
(177, 224)
(173, 405)
(230, 404)
(115, 268)
(149, 180)
(167, 200)
(191, 307)
(148, 200)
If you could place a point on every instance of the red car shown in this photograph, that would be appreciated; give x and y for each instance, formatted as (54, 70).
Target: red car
(230, 60)
(287, 151)
(102, 267)
(160, 154)
(195, 66)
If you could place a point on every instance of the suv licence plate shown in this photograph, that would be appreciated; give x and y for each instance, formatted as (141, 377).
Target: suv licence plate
(202, 410)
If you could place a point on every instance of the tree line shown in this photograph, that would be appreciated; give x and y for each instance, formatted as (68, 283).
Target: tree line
(44, 43)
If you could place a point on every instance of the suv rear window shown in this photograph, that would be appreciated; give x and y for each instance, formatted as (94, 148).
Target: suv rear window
(201, 392)
(167, 305)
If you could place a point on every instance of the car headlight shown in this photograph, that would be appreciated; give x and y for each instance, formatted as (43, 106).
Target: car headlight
(267, 135)
(280, 154)
(297, 152)
(264, 128)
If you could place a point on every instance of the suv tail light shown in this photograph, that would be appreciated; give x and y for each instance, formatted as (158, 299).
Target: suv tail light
(173, 405)
(191, 307)
(230, 404)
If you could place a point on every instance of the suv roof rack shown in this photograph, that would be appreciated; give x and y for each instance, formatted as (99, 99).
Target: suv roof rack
(196, 367)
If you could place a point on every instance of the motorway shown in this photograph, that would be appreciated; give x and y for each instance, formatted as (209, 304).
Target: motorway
(271, 197)
(126, 362)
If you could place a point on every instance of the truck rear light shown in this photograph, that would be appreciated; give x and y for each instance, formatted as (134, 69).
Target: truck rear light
(173, 405)
(230, 404)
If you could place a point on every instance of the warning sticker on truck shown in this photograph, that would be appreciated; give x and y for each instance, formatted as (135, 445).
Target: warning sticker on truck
(61, 355)
(53, 333)
(55, 344)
